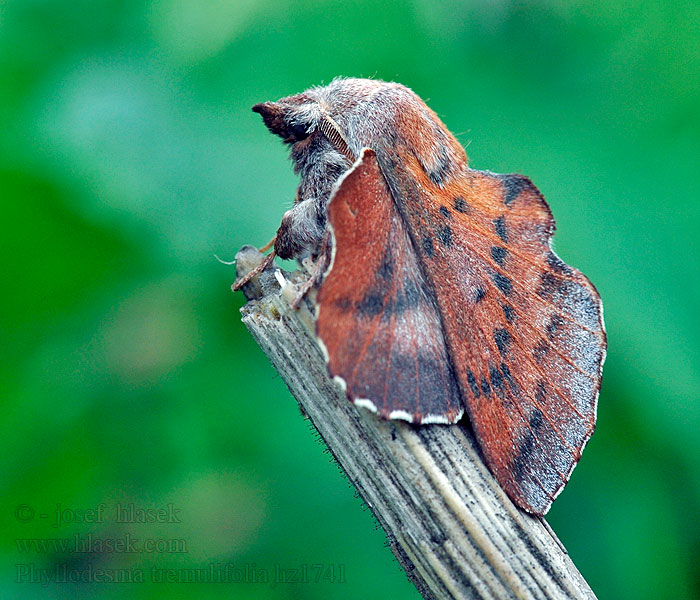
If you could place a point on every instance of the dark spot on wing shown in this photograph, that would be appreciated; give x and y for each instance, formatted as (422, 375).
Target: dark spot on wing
(479, 294)
(388, 309)
(496, 381)
(536, 419)
(523, 459)
(444, 236)
(428, 248)
(582, 305)
(371, 305)
(440, 172)
(503, 283)
(507, 375)
(499, 226)
(473, 385)
(411, 294)
(436, 176)
(540, 351)
(513, 185)
(549, 284)
(399, 303)
(498, 253)
(526, 445)
(461, 205)
(445, 212)
(407, 298)
(541, 392)
(554, 323)
(509, 312)
(343, 303)
(557, 264)
(485, 388)
(386, 266)
(503, 340)
(375, 300)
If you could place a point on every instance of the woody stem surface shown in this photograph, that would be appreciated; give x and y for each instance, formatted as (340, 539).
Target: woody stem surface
(447, 520)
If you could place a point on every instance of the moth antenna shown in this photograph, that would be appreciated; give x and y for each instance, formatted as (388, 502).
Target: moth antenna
(225, 262)
(335, 135)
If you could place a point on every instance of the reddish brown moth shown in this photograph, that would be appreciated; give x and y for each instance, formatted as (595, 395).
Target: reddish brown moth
(439, 291)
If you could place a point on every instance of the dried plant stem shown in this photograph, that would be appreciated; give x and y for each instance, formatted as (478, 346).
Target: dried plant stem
(449, 524)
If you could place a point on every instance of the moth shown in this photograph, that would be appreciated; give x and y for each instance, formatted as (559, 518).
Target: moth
(438, 289)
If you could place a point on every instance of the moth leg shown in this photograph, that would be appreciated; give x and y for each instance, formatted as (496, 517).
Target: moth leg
(320, 266)
(267, 261)
(269, 245)
(300, 232)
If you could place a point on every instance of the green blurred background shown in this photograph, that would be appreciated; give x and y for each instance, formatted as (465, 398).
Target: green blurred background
(129, 157)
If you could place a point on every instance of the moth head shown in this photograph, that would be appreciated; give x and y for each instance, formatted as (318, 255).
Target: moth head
(293, 118)
(332, 123)
(316, 111)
